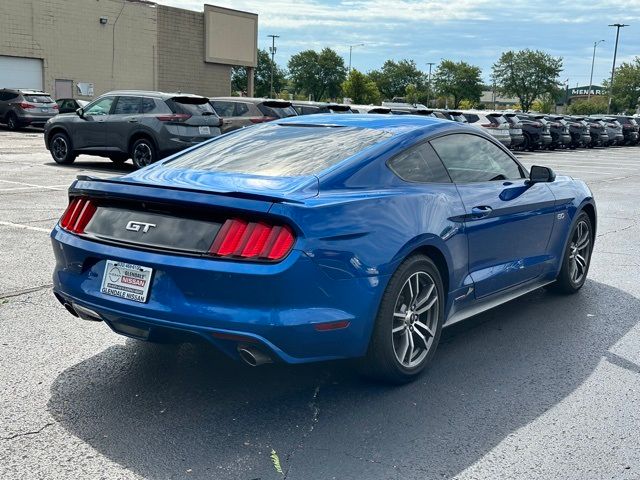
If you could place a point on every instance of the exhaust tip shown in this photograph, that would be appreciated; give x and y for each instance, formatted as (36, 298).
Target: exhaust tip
(253, 356)
(70, 309)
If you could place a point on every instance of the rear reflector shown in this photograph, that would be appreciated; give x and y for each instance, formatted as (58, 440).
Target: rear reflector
(78, 214)
(259, 240)
(323, 327)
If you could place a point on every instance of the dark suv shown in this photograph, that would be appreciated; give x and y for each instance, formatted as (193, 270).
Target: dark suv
(630, 129)
(311, 108)
(21, 107)
(143, 126)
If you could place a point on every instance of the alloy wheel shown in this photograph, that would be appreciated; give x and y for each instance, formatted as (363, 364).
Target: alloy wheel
(11, 123)
(142, 155)
(579, 252)
(415, 318)
(59, 148)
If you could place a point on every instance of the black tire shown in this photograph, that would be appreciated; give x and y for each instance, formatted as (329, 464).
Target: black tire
(61, 149)
(119, 159)
(12, 122)
(391, 333)
(143, 152)
(527, 145)
(574, 272)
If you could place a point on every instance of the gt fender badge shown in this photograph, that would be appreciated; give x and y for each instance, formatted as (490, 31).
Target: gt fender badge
(135, 226)
(560, 217)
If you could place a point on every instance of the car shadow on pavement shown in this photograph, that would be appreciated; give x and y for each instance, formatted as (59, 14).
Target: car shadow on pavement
(186, 411)
(102, 165)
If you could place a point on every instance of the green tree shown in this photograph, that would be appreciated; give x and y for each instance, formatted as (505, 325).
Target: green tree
(459, 80)
(262, 77)
(317, 74)
(626, 86)
(394, 77)
(596, 104)
(527, 74)
(360, 88)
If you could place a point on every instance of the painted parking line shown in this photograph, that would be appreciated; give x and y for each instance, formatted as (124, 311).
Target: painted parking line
(32, 185)
(25, 227)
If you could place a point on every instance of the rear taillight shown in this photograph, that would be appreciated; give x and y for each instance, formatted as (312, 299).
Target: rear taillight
(25, 105)
(489, 125)
(55, 107)
(252, 240)
(536, 124)
(262, 119)
(77, 215)
(176, 117)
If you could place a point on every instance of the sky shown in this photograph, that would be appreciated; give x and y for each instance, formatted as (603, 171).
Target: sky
(475, 31)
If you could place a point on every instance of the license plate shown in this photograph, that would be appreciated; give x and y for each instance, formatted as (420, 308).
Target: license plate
(126, 280)
(205, 131)
(45, 110)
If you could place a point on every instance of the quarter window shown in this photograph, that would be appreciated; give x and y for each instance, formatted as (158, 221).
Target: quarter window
(419, 164)
(223, 109)
(471, 158)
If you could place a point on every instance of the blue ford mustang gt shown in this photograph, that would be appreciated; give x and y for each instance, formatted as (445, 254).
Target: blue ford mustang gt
(321, 237)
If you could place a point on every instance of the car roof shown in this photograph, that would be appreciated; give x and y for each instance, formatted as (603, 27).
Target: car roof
(390, 123)
(25, 91)
(151, 93)
(250, 99)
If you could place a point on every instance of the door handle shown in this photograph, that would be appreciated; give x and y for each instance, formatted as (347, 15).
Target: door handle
(132, 120)
(481, 211)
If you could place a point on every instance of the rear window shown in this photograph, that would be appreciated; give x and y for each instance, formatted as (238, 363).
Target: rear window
(38, 99)
(275, 111)
(192, 105)
(278, 150)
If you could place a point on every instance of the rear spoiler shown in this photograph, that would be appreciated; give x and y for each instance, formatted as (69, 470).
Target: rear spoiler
(277, 103)
(118, 181)
(190, 99)
(339, 107)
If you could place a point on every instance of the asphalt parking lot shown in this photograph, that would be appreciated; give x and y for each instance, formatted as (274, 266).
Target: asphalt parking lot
(543, 387)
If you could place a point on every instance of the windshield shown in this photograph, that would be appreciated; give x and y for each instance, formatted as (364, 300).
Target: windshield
(279, 150)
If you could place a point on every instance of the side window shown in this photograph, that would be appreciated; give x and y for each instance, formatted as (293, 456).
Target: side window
(241, 109)
(127, 106)
(223, 109)
(470, 158)
(419, 164)
(101, 106)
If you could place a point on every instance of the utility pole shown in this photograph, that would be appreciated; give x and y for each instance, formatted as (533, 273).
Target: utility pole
(613, 68)
(272, 50)
(593, 60)
(350, 50)
(431, 64)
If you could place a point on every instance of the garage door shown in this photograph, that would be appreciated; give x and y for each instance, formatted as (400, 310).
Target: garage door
(20, 72)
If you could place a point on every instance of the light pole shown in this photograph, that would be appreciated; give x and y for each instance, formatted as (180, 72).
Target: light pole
(613, 68)
(431, 64)
(272, 50)
(350, 50)
(593, 60)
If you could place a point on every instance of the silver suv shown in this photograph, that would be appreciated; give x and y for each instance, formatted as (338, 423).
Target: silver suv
(143, 126)
(22, 107)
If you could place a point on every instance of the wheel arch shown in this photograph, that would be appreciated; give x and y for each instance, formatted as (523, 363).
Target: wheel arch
(53, 131)
(590, 210)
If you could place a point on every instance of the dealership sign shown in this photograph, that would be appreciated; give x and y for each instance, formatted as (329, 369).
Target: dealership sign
(584, 91)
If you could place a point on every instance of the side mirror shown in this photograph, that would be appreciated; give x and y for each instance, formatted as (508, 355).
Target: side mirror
(80, 112)
(539, 174)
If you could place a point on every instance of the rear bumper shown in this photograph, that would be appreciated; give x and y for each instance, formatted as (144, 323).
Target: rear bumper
(39, 120)
(276, 306)
(177, 143)
(517, 140)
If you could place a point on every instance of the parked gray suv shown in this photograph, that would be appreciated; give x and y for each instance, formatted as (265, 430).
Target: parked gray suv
(143, 126)
(22, 107)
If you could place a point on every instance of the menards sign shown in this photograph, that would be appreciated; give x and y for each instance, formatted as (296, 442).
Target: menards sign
(584, 91)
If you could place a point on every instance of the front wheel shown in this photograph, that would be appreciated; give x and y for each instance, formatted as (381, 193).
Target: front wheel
(61, 149)
(408, 324)
(577, 257)
(12, 122)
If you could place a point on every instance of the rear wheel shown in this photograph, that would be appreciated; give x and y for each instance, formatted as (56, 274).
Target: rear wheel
(143, 152)
(408, 323)
(12, 122)
(527, 144)
(61, 149)
(577, 257)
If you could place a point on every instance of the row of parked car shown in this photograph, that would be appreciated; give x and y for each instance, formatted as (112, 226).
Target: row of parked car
(146, 126)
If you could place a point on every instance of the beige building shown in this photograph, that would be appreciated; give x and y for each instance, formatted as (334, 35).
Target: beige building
(83, 48)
